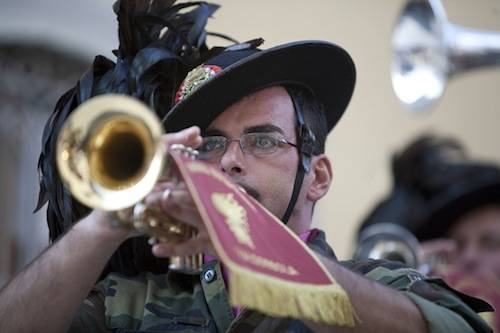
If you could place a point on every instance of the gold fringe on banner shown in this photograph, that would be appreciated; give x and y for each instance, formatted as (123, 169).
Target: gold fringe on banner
(328, 304)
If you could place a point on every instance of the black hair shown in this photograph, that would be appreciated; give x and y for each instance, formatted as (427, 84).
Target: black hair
(314, 114)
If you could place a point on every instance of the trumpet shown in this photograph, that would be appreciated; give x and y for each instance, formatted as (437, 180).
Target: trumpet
(110, 156)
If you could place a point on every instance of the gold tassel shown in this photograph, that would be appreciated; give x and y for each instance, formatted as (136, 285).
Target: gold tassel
(328, 304)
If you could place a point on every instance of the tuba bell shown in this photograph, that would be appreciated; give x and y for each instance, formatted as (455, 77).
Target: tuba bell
(110, 156)
(428, 50)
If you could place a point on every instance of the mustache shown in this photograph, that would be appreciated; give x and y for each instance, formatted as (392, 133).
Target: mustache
(250, 191)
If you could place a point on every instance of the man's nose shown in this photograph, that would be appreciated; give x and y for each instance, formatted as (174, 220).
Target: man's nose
(233, 160)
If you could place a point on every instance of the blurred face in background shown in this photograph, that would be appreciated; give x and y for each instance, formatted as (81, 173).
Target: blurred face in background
(477, 237)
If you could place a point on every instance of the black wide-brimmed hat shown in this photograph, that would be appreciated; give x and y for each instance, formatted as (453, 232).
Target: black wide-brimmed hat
(435, 183)
(479, 186)
(324, 68)
(429, 217)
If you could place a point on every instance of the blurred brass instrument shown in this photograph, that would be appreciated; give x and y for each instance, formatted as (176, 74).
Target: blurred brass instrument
(428, 50)
(110, 156)
(388, 241)
(391, 241)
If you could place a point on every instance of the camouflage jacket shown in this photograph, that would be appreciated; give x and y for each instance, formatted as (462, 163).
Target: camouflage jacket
(175, 302)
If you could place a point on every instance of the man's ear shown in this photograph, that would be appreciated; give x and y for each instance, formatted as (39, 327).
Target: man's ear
(321, 177)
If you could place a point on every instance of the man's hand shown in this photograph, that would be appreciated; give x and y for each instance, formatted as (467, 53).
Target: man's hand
(176, 202)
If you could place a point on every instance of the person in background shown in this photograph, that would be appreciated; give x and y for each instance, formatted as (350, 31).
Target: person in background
(451, 204)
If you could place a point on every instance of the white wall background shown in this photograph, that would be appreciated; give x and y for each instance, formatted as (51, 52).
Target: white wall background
(375, 124)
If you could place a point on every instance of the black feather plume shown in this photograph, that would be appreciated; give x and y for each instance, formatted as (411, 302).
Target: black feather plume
(160, 41)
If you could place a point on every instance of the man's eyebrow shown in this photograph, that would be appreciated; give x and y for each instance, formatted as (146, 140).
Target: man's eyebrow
(264, 128)
(213, 132)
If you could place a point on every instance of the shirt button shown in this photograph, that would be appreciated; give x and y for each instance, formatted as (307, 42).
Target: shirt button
(209, 275)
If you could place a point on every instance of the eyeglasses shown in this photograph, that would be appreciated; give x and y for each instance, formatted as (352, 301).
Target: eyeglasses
(257, 144)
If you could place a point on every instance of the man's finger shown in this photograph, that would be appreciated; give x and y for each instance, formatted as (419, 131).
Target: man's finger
(177, 204)
(189, 137)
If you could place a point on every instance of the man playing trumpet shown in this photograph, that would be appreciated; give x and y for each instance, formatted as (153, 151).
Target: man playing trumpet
(261, 118)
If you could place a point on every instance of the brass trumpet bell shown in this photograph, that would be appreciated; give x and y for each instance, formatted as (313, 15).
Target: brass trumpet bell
(110, 156)
(109, 152)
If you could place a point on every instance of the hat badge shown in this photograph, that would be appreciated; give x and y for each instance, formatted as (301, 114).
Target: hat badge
(194, 79)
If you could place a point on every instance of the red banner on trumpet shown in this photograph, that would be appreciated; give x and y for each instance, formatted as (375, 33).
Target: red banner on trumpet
(271, 269)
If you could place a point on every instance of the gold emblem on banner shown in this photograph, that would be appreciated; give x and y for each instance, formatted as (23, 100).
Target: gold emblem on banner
(235, 217)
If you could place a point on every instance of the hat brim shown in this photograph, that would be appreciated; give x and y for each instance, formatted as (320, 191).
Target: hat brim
(324, 68)
(447, 210)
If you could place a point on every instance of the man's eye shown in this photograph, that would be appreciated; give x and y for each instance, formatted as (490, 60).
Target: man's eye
(264, 141)
(210, 145)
